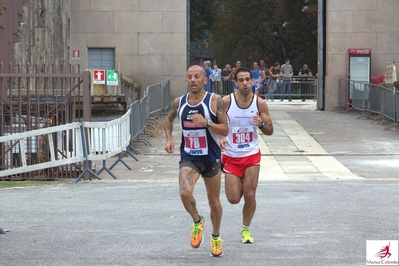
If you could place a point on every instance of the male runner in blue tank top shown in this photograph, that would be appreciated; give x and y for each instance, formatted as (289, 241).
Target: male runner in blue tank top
(246, 113)
(203, 121)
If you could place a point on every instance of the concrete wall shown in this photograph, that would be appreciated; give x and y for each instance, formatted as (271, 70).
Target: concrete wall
(49, 33)
(149, 37)
(359, 24)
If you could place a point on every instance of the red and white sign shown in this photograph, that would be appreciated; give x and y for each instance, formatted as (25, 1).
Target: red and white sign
(360, 51)
(75, 54)
(99, 76)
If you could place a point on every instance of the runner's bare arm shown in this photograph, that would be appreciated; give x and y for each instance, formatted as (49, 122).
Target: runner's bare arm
(222, 127)
(168, 126)
(267, 128)
(226, 103)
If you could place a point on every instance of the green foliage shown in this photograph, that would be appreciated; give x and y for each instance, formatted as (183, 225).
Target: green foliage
(17, 184)
(201, 19)
(269, 29)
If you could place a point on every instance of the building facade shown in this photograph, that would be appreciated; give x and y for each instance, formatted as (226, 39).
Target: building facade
(370, 24)
(35, 31)
(146, 38)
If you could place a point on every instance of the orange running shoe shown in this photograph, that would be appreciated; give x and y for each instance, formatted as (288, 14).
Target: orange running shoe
(216, 244)
(196, 235)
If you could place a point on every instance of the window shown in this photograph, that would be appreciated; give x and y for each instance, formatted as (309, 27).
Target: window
(101, 58)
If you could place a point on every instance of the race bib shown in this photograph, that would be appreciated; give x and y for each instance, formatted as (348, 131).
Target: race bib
(242, 136)
(195, 142)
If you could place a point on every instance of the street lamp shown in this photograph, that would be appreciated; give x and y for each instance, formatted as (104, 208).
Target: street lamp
(275, 33)
(284, 25)
(304, 9)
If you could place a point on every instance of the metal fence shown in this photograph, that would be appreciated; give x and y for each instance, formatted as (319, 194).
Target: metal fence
(379, 101)
(107, 139)
(61, 144)
(154, 93)
(166, 98)
(35, 97)
(300, 88)
(41, 154)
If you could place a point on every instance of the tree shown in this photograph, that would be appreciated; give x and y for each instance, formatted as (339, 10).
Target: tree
(269, 29)
(201, 19)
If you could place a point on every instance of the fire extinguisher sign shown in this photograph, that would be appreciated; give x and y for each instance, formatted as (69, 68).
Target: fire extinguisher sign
(99, 76)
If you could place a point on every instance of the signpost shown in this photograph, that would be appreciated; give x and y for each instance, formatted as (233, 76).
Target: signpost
(112, 78)
(98, 76)
(75, 54)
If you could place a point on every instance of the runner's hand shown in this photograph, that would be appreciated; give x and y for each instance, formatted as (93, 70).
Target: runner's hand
(257, 120)
(222, 143)
(169, 147)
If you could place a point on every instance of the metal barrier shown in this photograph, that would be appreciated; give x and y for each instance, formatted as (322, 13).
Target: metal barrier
(166, 98)
(396, 121)
(78, 142)
(154, 93)
(358, 95)
(144, 116)
(299, 88)
(369, 99)
(50, 138)
(106, 139)
(374, 105)
(390, 107)
(135, 128)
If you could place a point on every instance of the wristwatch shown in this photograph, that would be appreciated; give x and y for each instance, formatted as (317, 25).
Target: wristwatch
(210, 123)
(262, 126)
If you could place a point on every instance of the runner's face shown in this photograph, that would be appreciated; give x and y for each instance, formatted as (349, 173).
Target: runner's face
(244, 83)
(196, 79)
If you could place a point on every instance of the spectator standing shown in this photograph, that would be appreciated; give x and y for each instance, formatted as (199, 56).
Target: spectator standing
(217, 79)
(227, 76)
(246, 113)
(237, 67)
(304, 73)
(264, 74)
(208, 72)
(256, 76)
(203, 121)
(275, 73)
(262, 66)
(286, 71)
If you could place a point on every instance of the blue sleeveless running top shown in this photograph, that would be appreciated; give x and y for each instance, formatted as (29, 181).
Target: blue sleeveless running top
(198, 143)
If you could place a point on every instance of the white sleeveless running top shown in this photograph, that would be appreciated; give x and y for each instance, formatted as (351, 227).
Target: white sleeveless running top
(243, 136)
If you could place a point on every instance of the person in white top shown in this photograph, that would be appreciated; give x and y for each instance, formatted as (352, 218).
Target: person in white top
(217, 79)
(246, 113)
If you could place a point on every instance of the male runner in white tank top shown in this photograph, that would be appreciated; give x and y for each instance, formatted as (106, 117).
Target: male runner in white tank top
(246, 112)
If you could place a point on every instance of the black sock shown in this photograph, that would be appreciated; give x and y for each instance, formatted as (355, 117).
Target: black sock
(198, 221)
(215, 236)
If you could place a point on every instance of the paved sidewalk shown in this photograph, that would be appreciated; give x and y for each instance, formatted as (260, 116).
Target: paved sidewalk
(306, 145)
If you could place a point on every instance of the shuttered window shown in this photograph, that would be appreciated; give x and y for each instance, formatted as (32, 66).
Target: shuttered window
(101, 58)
